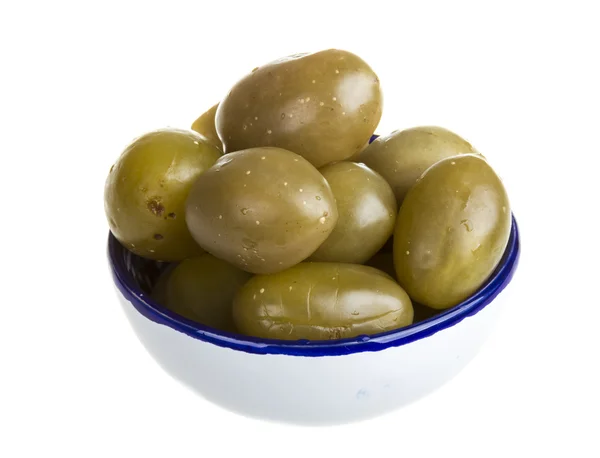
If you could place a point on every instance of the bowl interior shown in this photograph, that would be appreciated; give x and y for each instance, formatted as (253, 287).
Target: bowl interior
(135, 277)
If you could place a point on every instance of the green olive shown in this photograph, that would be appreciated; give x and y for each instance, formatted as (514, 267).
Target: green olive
(323, 106)
(205, 125)
(146, 190)
(261, 209)
(402, 156)
(201, 289)
(367, 213)
(451, 231)
(321, 301)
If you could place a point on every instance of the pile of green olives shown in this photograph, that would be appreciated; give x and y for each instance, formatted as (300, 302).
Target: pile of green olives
(279, 219)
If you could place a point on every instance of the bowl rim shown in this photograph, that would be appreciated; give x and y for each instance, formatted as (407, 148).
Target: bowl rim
(145, 305)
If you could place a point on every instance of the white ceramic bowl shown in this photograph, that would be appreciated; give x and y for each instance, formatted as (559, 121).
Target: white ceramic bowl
(310, 382)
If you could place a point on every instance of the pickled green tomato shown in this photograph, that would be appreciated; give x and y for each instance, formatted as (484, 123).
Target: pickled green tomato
(201, 289)
(205, 125)
(262, 209)
(451, 231)
(402, 156)
(321, 301)
(146, 190)
(323, 106)
(367, 213)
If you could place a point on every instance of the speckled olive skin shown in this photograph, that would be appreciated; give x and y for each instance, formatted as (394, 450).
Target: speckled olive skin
(146, 190)
(451, 231)
(402, 156)
(323, 106)
(367, 213)
(202, 289)
(321, 301)
(262, 209)
(205, 125)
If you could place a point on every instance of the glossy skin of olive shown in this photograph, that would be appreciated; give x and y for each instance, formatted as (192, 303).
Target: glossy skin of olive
(323, 106)
(321, 301)
(451, 231)
(146, 190)
(205, 125)
(402, 156)
(262, 209)
(201, 289)
(367, 213)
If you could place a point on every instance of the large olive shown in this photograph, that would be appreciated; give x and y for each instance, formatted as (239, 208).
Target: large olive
(205, 125)
(367, 213)
(146, 190)
(201, 289)
(321, 301)
(402, 156)
(261, 209)
(451, 231)
(323, 106)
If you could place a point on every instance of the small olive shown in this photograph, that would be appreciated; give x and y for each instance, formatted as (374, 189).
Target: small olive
(367, 213)
(205, 125)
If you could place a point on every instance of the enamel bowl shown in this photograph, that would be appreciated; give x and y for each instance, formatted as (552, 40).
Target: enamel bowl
(310, 382)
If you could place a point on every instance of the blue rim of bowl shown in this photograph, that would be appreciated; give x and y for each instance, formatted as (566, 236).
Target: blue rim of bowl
(155, 312)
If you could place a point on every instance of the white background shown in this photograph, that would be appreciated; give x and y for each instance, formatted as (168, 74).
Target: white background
(79, 81)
